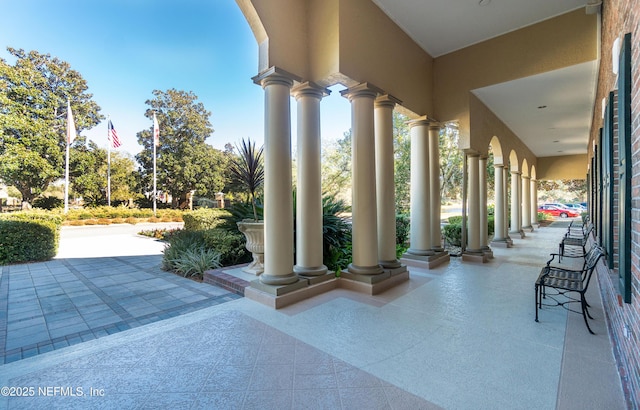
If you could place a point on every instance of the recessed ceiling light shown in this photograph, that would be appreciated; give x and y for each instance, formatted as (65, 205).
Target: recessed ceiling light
(484, 2)
(560, 151)
(555, 141)
(541, 107)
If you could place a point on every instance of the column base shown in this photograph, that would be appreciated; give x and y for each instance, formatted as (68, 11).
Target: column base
(520, 232)
(487, 251)
(501, 243)
(373, 285)
(278, 297)
(425, 261)
(277, 280)
(535, 225)
(364, 270)
(310, 271)
(528, 228)
(390, 264)
(419, 252)
(476, 256)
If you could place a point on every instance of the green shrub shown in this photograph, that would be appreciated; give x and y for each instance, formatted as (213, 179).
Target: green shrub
(28, 237)
(452, 233)
(457, 219)
(194, 262)
(48, 202)
(208, 218)
(490, 225)
(187, 254)
(229, 244)
(402, 229)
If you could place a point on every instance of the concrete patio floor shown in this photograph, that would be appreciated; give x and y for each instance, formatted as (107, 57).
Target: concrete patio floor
(461, 336)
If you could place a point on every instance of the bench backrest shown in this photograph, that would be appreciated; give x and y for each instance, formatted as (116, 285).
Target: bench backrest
(590, 261)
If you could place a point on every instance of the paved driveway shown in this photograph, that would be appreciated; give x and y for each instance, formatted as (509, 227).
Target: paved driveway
(105, 279)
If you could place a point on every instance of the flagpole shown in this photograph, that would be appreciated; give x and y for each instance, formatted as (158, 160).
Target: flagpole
(154, 179)
(108, 163)
(156, 137)
(71, 135)
(66, 181)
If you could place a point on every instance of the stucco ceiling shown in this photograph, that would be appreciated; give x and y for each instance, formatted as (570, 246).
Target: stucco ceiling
(443, 26)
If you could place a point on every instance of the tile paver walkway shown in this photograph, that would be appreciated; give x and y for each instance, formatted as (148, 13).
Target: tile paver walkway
(62, 302)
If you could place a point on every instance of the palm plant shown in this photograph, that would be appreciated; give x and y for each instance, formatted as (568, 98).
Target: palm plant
(248, 170)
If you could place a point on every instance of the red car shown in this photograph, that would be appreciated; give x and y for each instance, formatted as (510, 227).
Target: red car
(557, 211)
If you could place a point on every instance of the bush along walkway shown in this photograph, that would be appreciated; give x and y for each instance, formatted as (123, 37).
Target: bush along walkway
(62, 302)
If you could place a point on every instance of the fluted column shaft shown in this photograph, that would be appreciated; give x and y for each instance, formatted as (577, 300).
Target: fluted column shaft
(385, 185)
(499, 212)
(484, 229)
(434, 185)
(309, 182)
(420, 230)
(515, 202)
(278, 201)
(473, 241)
(364, 215)
(526, 202)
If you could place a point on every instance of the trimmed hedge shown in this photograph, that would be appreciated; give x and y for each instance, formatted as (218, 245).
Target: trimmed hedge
(208, 218)
(28, 237)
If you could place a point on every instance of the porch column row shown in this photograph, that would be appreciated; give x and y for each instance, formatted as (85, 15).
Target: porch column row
(534, 203)
(526, 203)
(309, 189)
(385, 183)
(516, 203)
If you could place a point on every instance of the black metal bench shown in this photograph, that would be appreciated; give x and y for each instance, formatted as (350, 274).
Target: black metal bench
(567, 281)
(575, 243)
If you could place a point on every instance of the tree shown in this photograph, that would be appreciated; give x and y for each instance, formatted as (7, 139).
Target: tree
(402, 164)
(88, 167)
(336, 168)
(248, 170)
(33, 100)
(451, 161)
(185, 162)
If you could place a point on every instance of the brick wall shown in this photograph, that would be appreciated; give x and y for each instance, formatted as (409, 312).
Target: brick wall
(620, 17)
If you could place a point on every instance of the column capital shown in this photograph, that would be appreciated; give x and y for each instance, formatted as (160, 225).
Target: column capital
(361, 90)
(516, 172)
(433, 125)
(498, 166)
(386, 100)
(526, 177)
(275, 75)
(423, 121)
(309, 89)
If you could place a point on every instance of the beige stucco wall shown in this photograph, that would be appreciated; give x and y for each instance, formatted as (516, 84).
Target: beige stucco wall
(563, 41)
(562, 167)
(486, 125)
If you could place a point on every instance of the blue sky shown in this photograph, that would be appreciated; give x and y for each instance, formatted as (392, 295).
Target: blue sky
(125, 49)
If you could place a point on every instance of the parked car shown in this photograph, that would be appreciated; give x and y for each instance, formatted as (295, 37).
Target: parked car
(554, 210)
(558, 205)
(576, 207)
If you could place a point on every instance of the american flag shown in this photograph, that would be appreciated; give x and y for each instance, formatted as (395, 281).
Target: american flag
(113, 136)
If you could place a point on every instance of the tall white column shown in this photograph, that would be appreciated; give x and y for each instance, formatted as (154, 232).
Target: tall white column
(309, 182)
(534, 202)
(499, 212)
(434, 185)
(482, 177)
(278, 199)
(420, 230)
(385, 186)
(364, 215)
(515, 202)
(505, 176)
(473, 213)
(526, 202)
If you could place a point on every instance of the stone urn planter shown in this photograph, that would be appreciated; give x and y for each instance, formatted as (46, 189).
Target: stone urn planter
(254, 232)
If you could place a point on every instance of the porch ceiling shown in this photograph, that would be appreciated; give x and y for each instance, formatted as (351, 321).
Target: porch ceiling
(443, 26)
